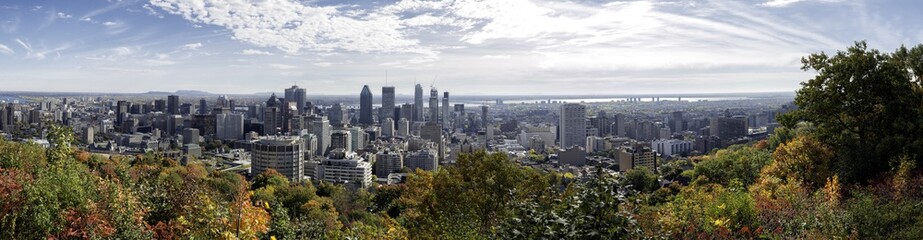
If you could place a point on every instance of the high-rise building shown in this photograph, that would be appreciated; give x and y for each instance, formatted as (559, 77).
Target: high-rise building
(387, 162)
(572, 125)
(618, 125)
(285, 154)
(229, 126)
(387, 128)
(445, 110)
(484, 119)
(406, 111)
(365, 106)
(677, 122)
(190, 136)
(273, 118)
(203, 106)
(298, 96)
(337, 115)
(160, 105)
(321, 128)
(417, 103)
(173, 104)
(423, 159)
(433, 105)
(341, 139)
(121, 111)
(403, 128)
(387, 103)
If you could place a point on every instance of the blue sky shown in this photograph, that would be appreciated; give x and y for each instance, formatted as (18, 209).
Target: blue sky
(468, 46)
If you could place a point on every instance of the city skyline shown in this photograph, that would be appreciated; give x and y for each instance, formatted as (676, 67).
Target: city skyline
(472, 48)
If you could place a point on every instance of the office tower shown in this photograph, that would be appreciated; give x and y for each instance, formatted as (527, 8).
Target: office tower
(445, 110)
(433, 105)
(341, 139)
(602, 123)
(573, 125)
(423, 159)
(345, 167)
(337, 115)
(88, 135)
(387, 128)
(230, 126)
(388, 162)
(174, 124)
(359, 137)
(298, 96)
(677, 122)
(406, 111)
(387, 103)
(618, 125)
(484, 119)
(365, 106)
(203, 106)
(727, 127)
(173, 104)
(222, 102)
(160, 105)
(272, 116)
(403, 128)
(321, 128)
(190, 136)
(285, 154)
(417, 103)
(121, 112)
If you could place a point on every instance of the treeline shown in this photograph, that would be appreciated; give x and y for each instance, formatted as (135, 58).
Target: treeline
(845, 165)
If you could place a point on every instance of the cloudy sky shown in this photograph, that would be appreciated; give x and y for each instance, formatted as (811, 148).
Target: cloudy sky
(468, 46)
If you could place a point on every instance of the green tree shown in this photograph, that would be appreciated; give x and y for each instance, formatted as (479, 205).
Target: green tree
(866, 105)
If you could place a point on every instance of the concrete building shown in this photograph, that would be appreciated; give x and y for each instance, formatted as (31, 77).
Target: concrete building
(345, 167)
(635, 156)
(387, 103)
(573, 156)
(433, 106)
(341, 139)
(173, 104)
(387, 128)
(273, 118)
(229, 126)
(387, 162)
(669, 147)
(572, 125)
(403, 128)
(320, 127)
(298, 96)
(417, 103)
(425, 159)
(285, 154)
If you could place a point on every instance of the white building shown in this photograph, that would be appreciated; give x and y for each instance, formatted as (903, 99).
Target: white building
(423, 159)
(669, 147)
(229, 126)
(344, 167)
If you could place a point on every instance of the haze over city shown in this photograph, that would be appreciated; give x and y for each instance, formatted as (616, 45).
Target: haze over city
(472, 47)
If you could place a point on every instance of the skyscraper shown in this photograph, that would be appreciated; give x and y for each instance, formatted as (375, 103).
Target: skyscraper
(365, 106)
(272, 116)
(484, 118)
(573, 125)
(298, 96)
(173, 104)
(284, 154)
(337, 115)
(445, 110)
(321, 128)
(203, 106)
(387, 103)
(418, 103)
(433, 105)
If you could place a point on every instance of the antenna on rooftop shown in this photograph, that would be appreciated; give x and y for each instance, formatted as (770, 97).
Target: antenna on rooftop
(434, 81)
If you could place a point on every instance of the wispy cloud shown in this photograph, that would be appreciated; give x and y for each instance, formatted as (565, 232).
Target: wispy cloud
(192, 46)
(255, 52)
(281, 66)
(6, 50)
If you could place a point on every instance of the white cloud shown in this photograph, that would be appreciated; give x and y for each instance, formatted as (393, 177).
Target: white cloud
(503, 56)
(294, 27)
(786, 3)
(6, 50)
(110, 24)
(255, 52)
(192, 46)
(281, 66)
(62, 15)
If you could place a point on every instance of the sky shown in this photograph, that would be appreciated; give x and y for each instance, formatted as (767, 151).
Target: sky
(468, 47)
